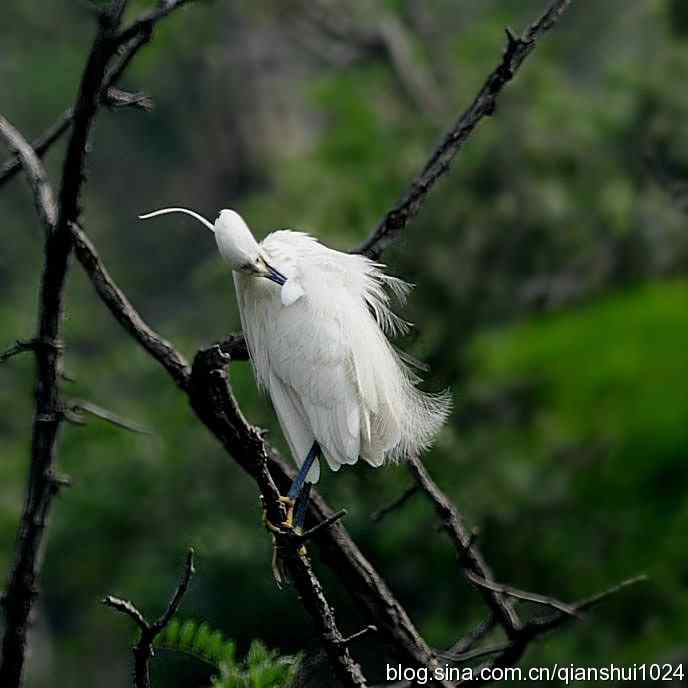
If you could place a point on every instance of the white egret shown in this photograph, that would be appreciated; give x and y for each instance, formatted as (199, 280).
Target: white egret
(316, 323)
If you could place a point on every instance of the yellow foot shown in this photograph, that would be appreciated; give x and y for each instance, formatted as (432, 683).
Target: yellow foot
(285, 530)
(289, 503)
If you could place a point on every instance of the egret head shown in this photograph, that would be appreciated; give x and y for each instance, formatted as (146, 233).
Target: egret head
(236, 243)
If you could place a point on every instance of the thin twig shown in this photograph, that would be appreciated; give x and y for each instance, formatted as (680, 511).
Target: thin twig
(40, 145)
(452, 523)
(143, 650)
(18, 347)
(114, 98)
(79, 406)
(483, 105)
(128, 608)
(360, 634)
(535, 628)
(470, 640)
(145, 23)
(327, 523)
(178, 595)
(44, 200)
(547, 623)
(536, 598)
(378, 515)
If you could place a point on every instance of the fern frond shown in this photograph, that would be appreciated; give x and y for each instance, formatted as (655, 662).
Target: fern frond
(261, 668)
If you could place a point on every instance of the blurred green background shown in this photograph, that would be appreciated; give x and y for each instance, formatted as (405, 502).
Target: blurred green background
(551, 297)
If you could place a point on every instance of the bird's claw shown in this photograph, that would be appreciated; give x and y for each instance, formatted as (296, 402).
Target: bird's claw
(284, 536)
(288, 523)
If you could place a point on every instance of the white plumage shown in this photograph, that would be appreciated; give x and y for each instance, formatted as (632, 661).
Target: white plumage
(317, 331)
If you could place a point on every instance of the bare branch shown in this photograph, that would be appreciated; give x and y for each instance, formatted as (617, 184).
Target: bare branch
(40, 145)
(178, 596)
(469, 556)
(143, 650)
(523, 595)
(510, 653)
(35, 174)
(211, 398)
(329, 521)
(18, 347)
(483, 105)
(378, 515)
(540, 625)
(311, 593)
(470, 640)
(79, 406)
(114, 98)
(234, 345)
(128, 608)
(360, 634)
(118, 304)
(144, 24)
(22, 587)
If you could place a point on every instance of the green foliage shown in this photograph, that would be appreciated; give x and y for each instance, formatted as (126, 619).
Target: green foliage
(606, 433)
(261, 668)
(199, 640)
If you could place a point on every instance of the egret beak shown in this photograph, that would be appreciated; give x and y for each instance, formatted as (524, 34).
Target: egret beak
(273, 275)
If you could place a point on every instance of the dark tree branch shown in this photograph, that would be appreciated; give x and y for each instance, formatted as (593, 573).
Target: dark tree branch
(43, 485)
(211, 398)
(517, 49)
(510, 653)
(18, 347)
(470, 640)
(509, 591)
(127, 316)
(35, 174)
(77, 407)
(469, 556)
(22, 588)
(113, 98)
(327, 523)
(313, 598)
(143, 650)
(359, 634)
(378, 515)
(234, 345)
(40, 145)
(145, 23)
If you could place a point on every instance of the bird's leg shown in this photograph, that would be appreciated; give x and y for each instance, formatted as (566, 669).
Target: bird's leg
(301, 507)
(297, 485)
(296, 502)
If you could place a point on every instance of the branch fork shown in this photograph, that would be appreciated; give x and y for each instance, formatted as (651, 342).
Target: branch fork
(149, 630)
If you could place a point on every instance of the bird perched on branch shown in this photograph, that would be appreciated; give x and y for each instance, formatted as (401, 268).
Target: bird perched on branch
(316, 323)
